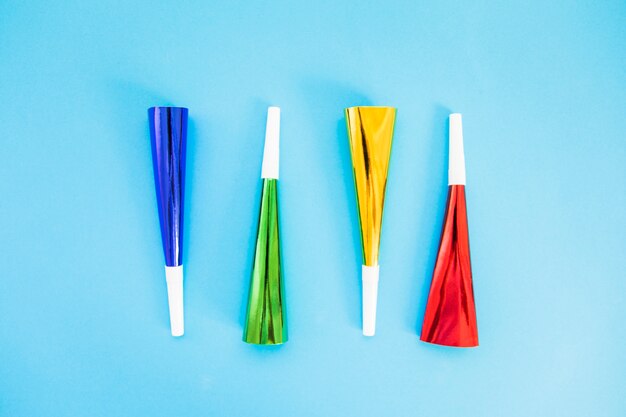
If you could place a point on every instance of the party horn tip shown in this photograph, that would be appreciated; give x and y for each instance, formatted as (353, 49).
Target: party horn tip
(370, 297)
(174, 278)
(269, 169)
(456, 166)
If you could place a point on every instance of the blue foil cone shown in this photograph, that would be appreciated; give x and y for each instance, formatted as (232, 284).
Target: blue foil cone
(168, 135)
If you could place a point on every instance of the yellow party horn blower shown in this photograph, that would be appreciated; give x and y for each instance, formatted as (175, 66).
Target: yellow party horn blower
(266, 319)
(370, 131)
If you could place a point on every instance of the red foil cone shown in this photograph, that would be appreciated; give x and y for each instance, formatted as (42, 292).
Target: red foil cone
(450, 317)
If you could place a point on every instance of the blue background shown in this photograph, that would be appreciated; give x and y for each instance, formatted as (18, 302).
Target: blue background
(84, 325)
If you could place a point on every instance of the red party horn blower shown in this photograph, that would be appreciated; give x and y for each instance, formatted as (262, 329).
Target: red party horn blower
(450, 317)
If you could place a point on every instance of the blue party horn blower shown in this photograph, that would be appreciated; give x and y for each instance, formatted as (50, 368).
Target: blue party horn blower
(168, 136)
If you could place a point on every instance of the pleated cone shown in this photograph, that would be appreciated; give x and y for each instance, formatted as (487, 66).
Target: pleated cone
(450, 317)
(168, 134)
(266, 318)
(370, 131)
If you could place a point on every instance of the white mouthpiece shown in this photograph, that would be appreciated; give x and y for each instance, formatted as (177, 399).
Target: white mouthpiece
(269, 168)
(456, 164)
(370, 296)
(174, 278)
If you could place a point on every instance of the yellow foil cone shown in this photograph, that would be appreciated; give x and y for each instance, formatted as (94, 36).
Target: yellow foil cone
(370, 131)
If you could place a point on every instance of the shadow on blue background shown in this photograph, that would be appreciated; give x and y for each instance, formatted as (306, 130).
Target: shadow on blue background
(437, 156)
(326, 94)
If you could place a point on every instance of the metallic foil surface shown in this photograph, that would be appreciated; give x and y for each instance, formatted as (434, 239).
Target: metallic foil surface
(266, 318)
(168, 135)
(370, 131)
(450, 317)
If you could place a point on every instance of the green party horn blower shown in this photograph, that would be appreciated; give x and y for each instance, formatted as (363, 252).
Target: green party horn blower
(266, 319)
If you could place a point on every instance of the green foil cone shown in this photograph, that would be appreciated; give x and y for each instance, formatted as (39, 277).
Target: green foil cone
(266, 319)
